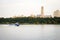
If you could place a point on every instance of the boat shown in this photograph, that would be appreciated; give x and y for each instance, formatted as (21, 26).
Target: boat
(17, 24)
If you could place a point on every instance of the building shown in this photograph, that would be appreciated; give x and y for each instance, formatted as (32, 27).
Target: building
(56, 13)
(42, 12)
(47, 16)
(32, 15)
(18, 16)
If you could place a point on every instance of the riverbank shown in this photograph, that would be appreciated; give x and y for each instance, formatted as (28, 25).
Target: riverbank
(30, 20)
(31, 24)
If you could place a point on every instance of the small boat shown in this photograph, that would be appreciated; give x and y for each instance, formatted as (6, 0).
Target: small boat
(17, 24)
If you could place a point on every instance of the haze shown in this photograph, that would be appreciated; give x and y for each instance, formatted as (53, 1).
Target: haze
(9, 8)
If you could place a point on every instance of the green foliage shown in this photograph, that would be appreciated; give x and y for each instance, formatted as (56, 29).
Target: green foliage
(30, 20)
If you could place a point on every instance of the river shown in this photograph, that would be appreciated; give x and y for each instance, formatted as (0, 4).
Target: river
(29, 32)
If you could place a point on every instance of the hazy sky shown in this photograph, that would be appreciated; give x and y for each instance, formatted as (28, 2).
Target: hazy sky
(27, 7)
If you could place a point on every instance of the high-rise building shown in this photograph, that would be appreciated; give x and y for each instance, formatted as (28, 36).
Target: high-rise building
(57, 13)
(42, 11)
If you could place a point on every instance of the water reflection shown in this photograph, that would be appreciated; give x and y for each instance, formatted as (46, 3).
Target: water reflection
(30, 32)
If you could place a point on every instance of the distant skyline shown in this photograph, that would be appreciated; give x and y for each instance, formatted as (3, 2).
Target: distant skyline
(9, 8)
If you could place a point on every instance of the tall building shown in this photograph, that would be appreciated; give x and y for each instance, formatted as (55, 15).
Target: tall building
(57, 13)
(42, 11)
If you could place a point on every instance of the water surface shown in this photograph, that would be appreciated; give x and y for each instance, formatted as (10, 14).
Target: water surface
(30, 32)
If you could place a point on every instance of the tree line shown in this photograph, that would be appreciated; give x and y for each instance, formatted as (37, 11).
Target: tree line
(30, 20)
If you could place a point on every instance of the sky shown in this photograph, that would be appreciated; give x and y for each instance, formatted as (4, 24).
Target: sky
(9, 8)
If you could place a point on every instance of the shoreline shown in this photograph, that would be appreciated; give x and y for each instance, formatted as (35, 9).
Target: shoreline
(32, 24)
